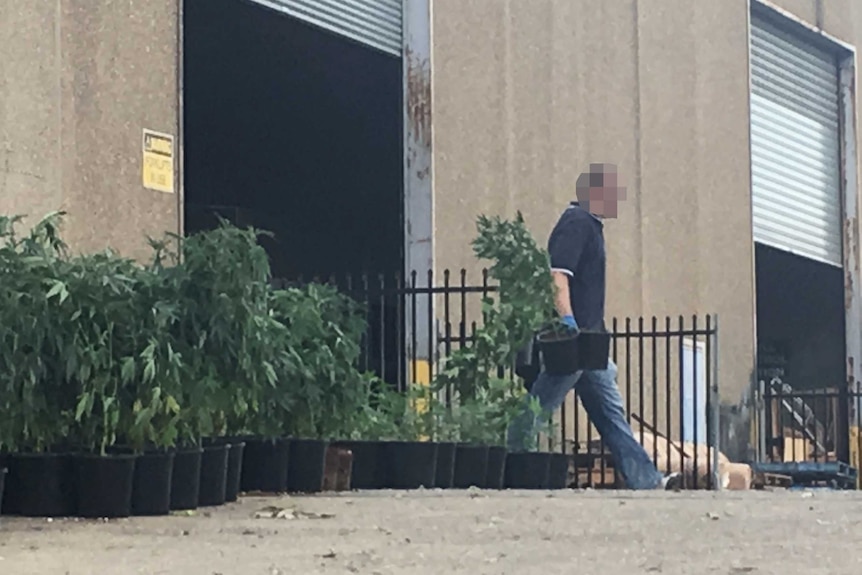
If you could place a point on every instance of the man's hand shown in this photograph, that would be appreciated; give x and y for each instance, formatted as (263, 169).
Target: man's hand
(569, 320)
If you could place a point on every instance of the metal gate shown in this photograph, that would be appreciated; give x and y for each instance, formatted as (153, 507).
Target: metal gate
(806, 433)
(795, 152)
(374, 23)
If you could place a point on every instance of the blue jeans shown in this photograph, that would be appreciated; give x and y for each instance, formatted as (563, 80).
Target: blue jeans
(602, 401)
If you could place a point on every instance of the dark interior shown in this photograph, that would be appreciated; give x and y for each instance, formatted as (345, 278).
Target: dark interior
(294, 130)
(800, 319)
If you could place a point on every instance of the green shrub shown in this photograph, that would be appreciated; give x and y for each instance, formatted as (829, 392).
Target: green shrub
(98, 350)
(36, 403)
(524, 302)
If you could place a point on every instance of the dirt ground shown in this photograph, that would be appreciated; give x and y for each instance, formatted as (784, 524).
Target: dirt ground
(471, 532)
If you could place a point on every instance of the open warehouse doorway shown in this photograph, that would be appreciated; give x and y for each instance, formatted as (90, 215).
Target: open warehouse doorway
(292, 123)
(296, 129)
(801, 337)
(807, 331)
(800, 320)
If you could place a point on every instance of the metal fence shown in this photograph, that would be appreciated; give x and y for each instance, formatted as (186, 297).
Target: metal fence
(667, 376)
(666, 369)
(422, 317)
(806, 425)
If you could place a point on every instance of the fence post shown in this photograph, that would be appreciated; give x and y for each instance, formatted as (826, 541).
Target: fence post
(715, 404)
(418, 206)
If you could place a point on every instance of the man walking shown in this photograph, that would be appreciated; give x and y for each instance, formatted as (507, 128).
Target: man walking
(577, 250)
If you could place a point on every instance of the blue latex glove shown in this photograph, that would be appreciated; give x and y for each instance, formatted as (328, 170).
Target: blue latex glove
(569, 320)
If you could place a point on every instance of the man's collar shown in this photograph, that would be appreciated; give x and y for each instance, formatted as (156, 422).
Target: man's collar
(578, 205)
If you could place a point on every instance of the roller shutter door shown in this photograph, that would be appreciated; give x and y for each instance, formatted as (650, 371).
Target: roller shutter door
(795, 154)
(375, 23)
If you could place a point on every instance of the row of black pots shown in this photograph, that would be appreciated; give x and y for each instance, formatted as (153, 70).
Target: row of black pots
(284, 464)
(501, 469)
(298, 465)
(413, 464)
(157, 482)
(121, 483)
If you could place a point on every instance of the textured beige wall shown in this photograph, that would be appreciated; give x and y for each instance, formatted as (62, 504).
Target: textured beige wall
(79, 80)
(29, 109)
(841, 18)
(527, 94)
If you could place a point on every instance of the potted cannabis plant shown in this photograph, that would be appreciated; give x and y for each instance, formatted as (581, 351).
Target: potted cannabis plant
(232, 348)
(10, 284)
(476, 432)
(378, 424)
(152, 374)
(266, 459)
(222, 281)
(443, 427)
(97, 319)
(485, 403)
(523, 303)
(326, 328)
(37, 401)
(405, 458)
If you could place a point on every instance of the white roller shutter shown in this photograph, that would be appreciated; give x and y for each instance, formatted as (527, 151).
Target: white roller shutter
(795, 154)
(375, 23)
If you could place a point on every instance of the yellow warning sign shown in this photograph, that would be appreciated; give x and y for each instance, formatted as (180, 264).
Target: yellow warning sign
(158, 166)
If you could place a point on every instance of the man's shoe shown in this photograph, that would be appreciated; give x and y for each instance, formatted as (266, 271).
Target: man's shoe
(671, 482)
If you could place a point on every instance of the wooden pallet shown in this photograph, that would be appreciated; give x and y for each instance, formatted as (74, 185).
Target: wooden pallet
(592, 468)
(837, 474)
(595, 478)
(763, 480)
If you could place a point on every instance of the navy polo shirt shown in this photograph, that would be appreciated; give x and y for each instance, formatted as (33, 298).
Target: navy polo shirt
(577, 249)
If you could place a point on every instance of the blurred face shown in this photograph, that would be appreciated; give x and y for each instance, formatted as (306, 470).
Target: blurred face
(602, 195)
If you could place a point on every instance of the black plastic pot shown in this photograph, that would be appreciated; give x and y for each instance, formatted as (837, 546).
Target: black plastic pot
(559, 352)
(408, 464)
(444, 476)
(496, 467)
(264, 465)
(307, 463)
(234, 470)
(186, 478)
(471, 466)
(364, 473)
(236, 450)
(213, 478)
(2, 486)
(567, 353)
(104, 484)
(151, 487)
(40, 485)
(593, 349)
(558, 471)
(527, 470)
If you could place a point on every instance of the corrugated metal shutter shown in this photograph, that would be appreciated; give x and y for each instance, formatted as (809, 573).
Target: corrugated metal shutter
(375, 23)
(795, 154)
